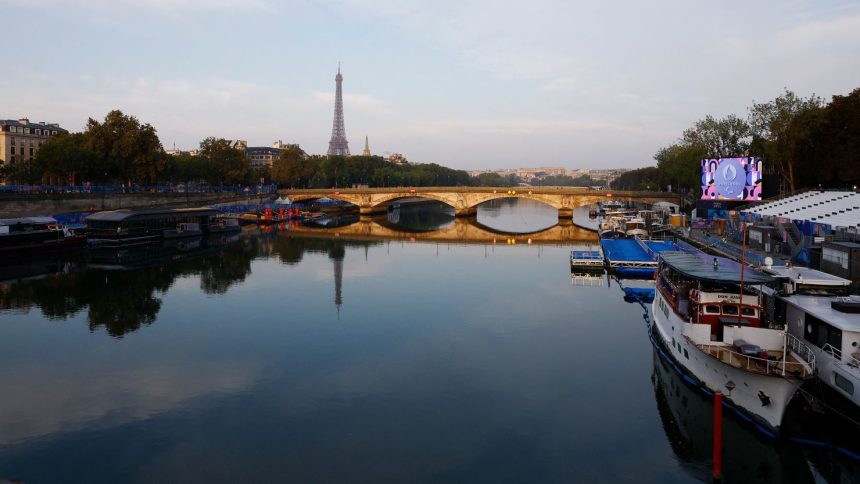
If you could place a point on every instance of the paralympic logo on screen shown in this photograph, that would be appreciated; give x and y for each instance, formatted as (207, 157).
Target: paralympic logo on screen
(731, 178)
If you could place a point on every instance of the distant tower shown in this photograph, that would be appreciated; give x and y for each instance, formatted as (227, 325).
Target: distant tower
(338, 144)
(366, 151)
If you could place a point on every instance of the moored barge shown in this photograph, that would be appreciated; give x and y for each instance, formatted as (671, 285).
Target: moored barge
(712, 328)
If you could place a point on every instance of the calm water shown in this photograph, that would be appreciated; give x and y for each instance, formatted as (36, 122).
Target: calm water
(283, 356)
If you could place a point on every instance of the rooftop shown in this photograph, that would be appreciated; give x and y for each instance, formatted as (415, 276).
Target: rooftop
(807, 276)
(700, 266)
(125, 214)
(834, 208)
(821, 309)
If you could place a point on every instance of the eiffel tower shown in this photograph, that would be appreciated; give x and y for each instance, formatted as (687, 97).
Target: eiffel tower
(338, 144)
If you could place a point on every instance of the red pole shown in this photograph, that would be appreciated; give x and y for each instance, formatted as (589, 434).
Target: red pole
(743, 263)
(718, 437)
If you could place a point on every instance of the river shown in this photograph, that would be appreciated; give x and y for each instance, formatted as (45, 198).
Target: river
(277, 356)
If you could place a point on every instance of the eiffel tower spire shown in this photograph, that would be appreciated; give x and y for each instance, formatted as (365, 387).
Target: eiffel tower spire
(338, 144)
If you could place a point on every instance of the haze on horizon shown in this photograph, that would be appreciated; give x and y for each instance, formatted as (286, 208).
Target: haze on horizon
(471, 85)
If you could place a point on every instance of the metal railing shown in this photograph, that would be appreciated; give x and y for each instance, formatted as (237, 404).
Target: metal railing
(837, 353)
(756, 364)
(801, 349)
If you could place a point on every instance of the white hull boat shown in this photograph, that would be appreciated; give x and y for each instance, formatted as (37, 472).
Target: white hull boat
(696, 321)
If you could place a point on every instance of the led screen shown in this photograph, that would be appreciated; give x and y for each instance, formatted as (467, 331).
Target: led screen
(731, 179)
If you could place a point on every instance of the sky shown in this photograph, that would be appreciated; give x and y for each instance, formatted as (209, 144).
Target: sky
(468, 84)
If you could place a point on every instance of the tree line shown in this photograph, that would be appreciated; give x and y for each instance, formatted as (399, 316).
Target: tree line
(803, 142)
(121, 149)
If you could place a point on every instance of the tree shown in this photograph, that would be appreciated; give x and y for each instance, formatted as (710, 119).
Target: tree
(224, 164)
(769, 124)
(720, 138)
(649, 178)
(680, 166)
(294, 168)
(492, 180)
(24, 172)
(823, 143)
(131, 151)
(66, 157)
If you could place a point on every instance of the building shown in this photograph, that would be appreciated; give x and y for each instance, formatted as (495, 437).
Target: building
(397, 159)
(20, 139)
(366, 151)
(262, 156)
(842, 258)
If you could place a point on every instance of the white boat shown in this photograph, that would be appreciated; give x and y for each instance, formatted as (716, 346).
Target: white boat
(635, 227)
(715, 334)
(817, 309)
(610, 228)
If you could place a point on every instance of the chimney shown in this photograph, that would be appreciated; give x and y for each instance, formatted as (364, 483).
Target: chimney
(24, 121)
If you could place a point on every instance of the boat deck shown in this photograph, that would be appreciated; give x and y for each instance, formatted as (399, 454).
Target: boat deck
(766, 363)
(626, 253)
(586, 259)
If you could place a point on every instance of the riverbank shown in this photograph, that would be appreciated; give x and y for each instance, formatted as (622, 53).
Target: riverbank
(28, 205)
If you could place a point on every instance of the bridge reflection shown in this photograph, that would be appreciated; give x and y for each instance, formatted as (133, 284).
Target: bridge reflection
(461, 230)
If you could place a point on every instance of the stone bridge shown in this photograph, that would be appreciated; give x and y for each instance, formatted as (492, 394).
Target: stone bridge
(461, 231)
(465, 200)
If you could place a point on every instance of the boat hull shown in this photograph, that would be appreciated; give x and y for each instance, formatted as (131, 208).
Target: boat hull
(764, 398)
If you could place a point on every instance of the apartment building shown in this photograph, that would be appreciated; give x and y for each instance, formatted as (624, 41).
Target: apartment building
(20, 139)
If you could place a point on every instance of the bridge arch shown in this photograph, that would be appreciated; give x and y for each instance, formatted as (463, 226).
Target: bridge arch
(465, 200)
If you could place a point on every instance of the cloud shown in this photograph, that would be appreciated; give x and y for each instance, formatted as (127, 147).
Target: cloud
(183, 110)
(152, 5)
(71, 398)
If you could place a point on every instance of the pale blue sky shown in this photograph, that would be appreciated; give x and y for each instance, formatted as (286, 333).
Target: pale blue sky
(468, 84)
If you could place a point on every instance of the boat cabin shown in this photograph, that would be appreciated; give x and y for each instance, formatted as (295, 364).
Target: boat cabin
(132, 226)
(707, 290)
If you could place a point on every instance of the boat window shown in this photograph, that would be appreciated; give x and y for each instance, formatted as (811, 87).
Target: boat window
(822, 334)
(730, 309)
(843, 383)
(748, 312)
(712, 309)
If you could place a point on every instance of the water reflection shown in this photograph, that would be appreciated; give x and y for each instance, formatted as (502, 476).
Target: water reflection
(305, 352)
(748, 457)
(434, 222)
(517, 215)
(421, 217)
(121, 290)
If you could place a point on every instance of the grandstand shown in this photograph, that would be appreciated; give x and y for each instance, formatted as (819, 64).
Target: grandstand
(837, 209)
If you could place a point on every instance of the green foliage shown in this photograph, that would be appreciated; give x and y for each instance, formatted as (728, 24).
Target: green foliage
(823, 144)
(186, 168)
(680, 166)
(649, 178)
(67, 157)
(24, 172)
(803, 141)
(720, 138)
(493, 180)
(224, 164)
(130, 151)
(770, 123)
(567, 181)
